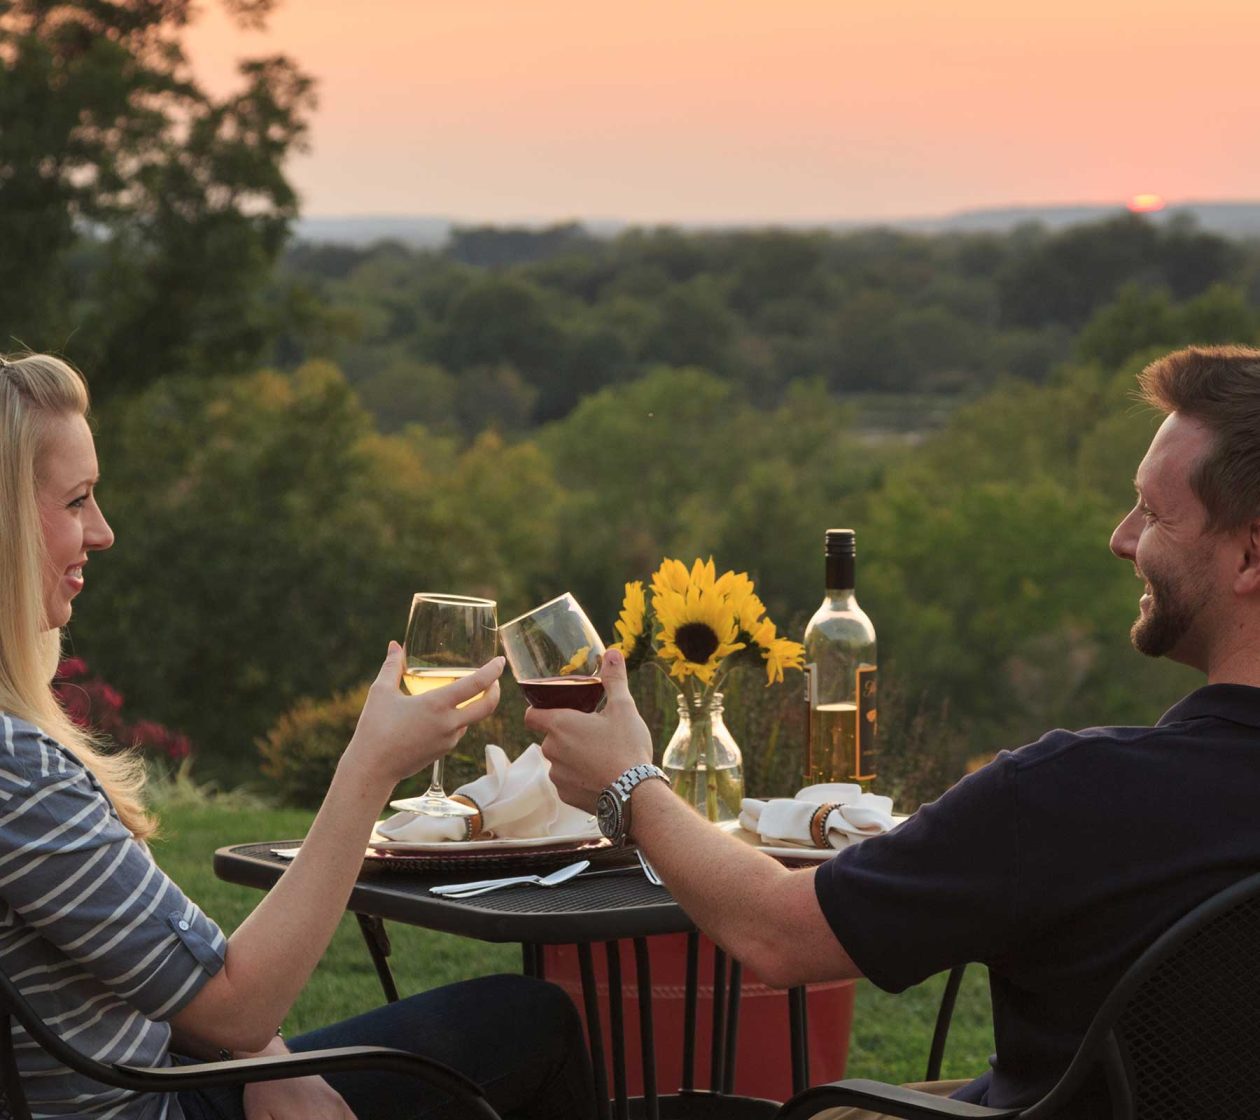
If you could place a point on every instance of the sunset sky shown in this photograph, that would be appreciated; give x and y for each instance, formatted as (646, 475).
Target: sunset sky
(760, 110)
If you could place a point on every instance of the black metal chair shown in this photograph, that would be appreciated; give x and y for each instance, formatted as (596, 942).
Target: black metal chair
(944, 1016)
(1178, 1038)
(173, 1079)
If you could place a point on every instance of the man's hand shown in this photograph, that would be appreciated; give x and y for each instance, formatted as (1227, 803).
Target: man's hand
(588, 752)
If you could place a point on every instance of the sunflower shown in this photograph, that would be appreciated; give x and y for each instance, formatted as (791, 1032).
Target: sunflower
(778, 653)
(672, 575)
(737, 588)
(631, 625)
(698, 628)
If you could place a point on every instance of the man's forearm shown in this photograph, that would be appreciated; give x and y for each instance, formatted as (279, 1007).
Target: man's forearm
(759, 911)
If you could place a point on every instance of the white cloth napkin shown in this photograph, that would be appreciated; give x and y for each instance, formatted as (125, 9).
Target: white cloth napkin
(517, 800)
(786, 820)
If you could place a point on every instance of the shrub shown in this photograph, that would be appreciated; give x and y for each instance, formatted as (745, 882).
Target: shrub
(94, 704)
(300, 752)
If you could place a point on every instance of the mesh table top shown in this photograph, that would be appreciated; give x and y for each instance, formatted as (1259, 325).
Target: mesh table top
(614, 903)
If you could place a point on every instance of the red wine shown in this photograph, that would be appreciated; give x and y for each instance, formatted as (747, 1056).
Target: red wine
(582, 693)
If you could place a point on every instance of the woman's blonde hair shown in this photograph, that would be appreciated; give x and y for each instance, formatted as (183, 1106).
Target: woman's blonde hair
(35, 389)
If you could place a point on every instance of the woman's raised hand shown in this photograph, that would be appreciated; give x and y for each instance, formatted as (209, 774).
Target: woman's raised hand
(399, 735)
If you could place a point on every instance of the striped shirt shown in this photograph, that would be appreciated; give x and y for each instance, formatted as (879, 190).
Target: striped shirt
(97, 938)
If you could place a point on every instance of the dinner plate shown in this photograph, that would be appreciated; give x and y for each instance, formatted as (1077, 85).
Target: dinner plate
(380, 844)
(780, 851)
(787, 851)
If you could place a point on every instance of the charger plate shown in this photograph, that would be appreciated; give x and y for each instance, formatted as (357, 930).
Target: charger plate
(502, 855)
(492, 854)
(498, 855)
(379, 843)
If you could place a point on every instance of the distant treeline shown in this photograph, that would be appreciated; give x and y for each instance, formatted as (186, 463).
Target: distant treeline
(513, 327)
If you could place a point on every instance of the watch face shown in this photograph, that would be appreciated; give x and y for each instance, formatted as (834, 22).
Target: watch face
(608, 814)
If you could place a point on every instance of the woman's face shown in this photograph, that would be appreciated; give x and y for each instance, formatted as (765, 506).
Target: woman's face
(66, 477)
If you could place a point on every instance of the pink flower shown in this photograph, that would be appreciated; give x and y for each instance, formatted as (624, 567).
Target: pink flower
(71, 668)
(110, 697)
(90, 702)
(76, 703)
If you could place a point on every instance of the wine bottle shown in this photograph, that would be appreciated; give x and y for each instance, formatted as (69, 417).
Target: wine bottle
(840, 676)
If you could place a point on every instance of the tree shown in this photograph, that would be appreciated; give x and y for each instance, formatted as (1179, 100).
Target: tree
(270, 540)
(139, 216)
(1064, 278)
(504, 321)
(1140, 321)
(696, 328)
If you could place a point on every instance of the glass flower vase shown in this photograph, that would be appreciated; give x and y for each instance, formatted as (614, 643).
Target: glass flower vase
(702, 759)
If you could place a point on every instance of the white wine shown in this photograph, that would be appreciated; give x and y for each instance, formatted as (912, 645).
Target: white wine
(419, 681)
(840, 677)
(832, 730)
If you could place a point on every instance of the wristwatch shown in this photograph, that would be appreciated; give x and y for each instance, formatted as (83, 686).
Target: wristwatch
(612, 810)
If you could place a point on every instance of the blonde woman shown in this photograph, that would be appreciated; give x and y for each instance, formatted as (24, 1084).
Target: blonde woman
(114, 956)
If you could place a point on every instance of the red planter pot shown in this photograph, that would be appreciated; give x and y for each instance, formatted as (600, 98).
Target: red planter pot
(763, 1053)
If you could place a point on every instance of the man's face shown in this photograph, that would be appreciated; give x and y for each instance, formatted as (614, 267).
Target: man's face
(1164, 536)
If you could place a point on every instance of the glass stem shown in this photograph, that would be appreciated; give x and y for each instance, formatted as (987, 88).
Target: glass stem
(435, 781)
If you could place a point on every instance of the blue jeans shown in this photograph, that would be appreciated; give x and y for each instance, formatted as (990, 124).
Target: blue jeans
(520, 1039)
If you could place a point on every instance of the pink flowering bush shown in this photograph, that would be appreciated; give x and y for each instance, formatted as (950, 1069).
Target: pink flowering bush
(90, 702)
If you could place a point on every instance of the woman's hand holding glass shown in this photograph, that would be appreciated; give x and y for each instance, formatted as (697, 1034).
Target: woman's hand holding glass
(447, 637)
(399, 735)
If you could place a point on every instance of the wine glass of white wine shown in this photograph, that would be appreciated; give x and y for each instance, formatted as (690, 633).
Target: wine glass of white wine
(448, 637)
(555, 654)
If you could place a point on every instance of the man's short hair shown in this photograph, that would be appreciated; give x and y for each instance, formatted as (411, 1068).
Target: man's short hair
(1219, 386)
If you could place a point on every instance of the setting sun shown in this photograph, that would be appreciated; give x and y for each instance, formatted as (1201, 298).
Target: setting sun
(1145, 203)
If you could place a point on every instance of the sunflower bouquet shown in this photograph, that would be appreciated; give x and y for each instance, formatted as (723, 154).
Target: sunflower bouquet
(696, 626)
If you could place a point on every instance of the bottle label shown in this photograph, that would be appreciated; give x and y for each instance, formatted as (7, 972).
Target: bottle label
(811, 685)
(865, 748)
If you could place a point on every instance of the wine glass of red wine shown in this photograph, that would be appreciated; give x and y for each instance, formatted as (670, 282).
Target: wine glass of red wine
(554, 653)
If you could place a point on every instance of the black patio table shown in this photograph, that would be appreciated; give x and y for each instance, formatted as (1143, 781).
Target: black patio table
(617, 903)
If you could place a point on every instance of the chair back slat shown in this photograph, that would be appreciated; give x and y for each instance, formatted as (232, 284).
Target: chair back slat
(12, 1099)
(1190, 1034)
(1173, 1032)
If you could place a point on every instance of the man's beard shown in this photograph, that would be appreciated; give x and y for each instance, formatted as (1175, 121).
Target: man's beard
(1172, 613)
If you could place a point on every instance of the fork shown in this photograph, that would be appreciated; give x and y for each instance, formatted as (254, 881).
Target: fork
(648, 869)
(470, 890)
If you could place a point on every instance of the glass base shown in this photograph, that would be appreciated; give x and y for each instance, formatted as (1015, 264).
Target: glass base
(431, 806)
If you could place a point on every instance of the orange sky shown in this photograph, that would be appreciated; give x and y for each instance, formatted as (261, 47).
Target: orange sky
(768, 110)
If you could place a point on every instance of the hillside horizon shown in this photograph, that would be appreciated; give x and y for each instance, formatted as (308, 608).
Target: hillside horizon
(1239, 218)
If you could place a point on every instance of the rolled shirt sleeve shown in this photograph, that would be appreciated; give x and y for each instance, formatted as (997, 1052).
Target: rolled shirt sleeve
(71, 871)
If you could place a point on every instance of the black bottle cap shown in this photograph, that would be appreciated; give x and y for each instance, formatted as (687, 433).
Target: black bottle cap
(841, 542)
(840, 553)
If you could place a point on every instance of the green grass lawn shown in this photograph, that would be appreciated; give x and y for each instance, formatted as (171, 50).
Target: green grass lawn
(891, 1034)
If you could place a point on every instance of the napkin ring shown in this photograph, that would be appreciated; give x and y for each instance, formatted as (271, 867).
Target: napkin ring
(818, 824)
(473, 824)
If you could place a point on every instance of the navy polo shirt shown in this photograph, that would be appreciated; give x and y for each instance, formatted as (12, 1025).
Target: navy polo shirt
(1056, 865)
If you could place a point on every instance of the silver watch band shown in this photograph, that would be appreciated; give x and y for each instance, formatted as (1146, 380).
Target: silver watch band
(624, 785)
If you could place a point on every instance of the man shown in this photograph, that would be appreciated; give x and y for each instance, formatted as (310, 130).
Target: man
(1056, 864)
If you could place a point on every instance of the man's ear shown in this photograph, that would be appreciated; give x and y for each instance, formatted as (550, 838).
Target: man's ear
(1247, 577)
